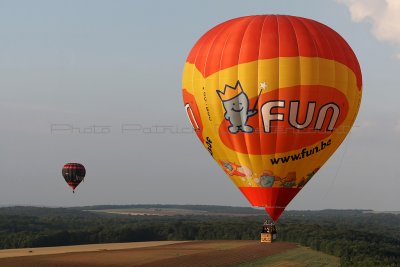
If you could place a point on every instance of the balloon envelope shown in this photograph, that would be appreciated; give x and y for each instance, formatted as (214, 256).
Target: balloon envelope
(73, 174)
(271, 97)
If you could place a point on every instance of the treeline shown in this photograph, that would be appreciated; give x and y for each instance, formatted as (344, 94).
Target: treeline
(23, 231)
(359, 238)
(366, 247)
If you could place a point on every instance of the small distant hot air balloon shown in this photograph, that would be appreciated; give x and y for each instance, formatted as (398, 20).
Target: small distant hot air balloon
(73, 173)
(271, 97)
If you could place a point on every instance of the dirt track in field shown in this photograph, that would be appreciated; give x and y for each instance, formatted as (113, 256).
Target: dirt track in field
(19, 252)
(188, 254)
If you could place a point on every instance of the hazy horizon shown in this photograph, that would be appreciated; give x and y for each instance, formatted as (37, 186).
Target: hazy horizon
(168, 204)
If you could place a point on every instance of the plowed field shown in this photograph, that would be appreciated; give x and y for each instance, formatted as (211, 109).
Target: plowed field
(187, 254)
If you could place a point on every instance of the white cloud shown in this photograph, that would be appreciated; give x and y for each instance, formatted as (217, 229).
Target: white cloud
(384, 16)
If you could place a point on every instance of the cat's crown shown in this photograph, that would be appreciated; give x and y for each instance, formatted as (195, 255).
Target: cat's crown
(230, 92)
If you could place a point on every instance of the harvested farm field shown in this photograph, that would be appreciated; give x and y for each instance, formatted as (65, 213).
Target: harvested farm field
(192, 253)
(20, 252)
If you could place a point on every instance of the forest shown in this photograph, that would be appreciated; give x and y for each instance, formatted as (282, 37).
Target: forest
(358, 237)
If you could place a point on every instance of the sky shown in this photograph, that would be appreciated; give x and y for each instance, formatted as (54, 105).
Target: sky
(99, 82)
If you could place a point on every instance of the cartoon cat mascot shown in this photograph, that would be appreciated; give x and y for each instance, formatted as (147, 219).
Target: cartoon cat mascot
(237, 112)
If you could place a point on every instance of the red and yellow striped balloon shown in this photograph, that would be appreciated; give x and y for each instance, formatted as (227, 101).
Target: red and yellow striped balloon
(271, 97)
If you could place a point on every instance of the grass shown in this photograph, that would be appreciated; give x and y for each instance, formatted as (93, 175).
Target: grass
(298, 257)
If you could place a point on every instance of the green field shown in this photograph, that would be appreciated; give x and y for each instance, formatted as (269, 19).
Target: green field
(176, 211)
(152, 211)
(298, 257)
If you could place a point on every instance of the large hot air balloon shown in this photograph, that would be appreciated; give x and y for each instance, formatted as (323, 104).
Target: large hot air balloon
(73, 174)
(271, 97)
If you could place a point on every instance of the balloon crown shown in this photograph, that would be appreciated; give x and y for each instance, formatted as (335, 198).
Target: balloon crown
(230, 92)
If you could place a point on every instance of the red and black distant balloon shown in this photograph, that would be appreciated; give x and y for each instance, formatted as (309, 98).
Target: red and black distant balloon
(73, 173)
